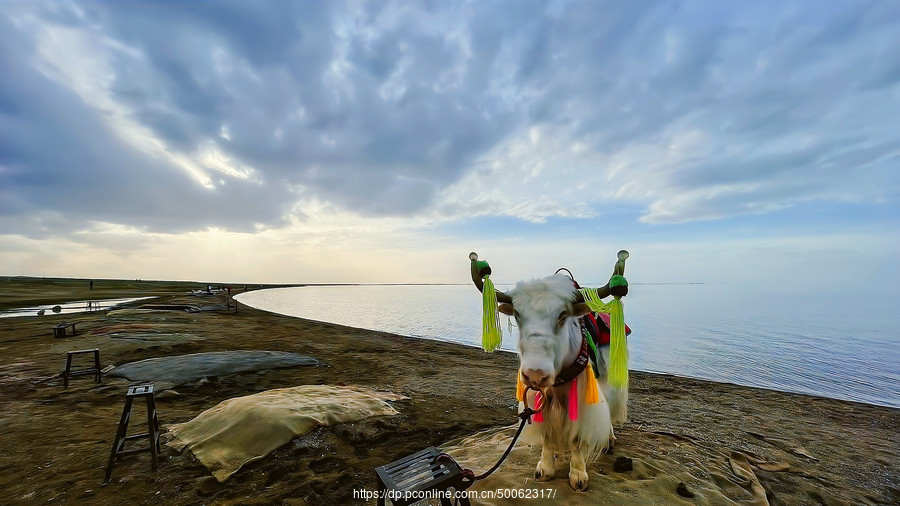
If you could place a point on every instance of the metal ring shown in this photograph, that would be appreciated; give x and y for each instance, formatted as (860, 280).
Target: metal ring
(543, 398)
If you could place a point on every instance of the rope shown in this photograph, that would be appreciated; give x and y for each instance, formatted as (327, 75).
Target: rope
(469, 476)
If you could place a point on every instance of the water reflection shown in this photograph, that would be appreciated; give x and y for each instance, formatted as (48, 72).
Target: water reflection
(79, 306)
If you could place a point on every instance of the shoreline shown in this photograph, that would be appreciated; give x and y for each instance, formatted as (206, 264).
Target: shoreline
(837, 451)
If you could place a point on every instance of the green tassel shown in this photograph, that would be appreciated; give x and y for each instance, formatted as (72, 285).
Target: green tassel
(491, 336)
(618, 349)
(593, 302)
(595, 353)
(617, 374)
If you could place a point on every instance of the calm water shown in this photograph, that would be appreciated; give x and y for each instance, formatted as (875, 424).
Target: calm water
(78, 306)
(845, 348)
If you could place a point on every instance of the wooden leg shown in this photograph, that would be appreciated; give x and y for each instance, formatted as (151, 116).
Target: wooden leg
(156, 424)
(153, 431)
(66, 372)
(97, 378)
(121, 430)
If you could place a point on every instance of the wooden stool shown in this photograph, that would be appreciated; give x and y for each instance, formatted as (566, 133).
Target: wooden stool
(81, 372)
(60, 329)
(419, 472)
(145, 391)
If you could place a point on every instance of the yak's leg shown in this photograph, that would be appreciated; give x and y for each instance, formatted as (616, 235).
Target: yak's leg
(578, 477)
(546, 467)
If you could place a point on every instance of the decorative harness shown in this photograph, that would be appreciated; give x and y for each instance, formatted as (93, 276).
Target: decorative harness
(569, 374)
(592, 337)
(572, 370)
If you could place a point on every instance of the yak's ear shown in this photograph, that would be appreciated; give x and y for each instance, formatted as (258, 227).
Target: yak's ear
(506, 309)
(580, 309)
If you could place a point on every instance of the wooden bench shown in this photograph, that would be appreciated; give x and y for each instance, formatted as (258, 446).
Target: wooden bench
(60, 329)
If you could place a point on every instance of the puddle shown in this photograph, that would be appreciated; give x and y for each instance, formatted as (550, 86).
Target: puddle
(80, 306)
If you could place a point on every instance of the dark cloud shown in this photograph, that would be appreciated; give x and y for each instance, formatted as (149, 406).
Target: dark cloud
(59, 155)
(379, 108)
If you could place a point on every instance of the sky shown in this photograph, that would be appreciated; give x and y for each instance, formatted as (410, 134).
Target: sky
(343, 141)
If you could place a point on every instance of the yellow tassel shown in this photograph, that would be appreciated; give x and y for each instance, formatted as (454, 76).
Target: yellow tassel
(490, 326)
(593, 302)
(617, 374)
(618, 349)
(591, 391)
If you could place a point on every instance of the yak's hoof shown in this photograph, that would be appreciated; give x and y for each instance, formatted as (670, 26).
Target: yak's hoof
(578, 481)
(578, 485)
(541, 475)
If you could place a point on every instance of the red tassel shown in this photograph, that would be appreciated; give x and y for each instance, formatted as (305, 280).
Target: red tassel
(573, 400)
(538, 403)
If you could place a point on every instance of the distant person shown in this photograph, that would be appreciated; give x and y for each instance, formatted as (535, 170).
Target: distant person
(92, 285)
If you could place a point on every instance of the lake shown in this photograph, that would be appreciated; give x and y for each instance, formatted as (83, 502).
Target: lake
(839, 347)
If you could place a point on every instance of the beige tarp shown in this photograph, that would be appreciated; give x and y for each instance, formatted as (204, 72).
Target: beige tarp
(244, 429)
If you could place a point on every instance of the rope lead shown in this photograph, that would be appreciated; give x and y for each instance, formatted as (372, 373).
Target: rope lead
(469, 476)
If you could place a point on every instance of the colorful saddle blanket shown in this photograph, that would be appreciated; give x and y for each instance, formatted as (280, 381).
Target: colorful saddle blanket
(597, 325)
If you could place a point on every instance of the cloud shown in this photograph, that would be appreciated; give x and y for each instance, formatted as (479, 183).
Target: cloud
(235, 115)
(702, 112)
(70, 152)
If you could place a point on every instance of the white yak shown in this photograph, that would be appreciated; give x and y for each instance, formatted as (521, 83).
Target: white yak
(553, 361)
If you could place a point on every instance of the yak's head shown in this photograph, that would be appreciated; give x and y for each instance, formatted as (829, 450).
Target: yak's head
(544, 310)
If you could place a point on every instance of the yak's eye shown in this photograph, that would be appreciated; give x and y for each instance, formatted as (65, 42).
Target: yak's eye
(562, 316)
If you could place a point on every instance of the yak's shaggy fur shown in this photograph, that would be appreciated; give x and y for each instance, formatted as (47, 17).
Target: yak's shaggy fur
(545, 340)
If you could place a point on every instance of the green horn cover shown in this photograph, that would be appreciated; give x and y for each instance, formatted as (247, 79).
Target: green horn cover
(618, 286)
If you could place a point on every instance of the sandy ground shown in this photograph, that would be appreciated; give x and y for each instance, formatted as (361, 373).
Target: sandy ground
(683, 434)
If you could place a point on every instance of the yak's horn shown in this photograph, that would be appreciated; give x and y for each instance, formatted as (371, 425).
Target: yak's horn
(605, 291)
(478, 273)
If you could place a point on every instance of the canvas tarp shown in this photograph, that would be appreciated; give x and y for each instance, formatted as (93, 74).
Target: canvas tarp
(171, 371)
(245, 429)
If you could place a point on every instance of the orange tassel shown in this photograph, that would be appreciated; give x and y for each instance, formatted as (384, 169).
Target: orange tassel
(520, 387)
(591, 392)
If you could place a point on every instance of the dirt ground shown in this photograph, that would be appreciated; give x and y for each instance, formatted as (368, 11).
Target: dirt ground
(55, 441)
